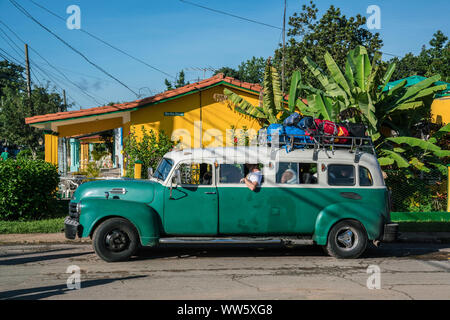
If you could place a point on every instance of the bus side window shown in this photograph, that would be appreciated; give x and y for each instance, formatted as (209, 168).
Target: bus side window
(341, 175)
(365, 178)
(297, 173)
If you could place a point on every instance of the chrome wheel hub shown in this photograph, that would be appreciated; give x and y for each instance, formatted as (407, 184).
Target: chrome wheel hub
(346, 238)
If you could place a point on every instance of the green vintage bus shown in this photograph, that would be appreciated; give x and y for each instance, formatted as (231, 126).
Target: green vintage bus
(336, 199)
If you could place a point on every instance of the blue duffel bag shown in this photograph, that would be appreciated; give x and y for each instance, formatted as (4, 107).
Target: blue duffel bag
(299, 136)
(275, 128)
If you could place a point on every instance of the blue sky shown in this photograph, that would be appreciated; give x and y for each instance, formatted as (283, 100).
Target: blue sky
(172, 35)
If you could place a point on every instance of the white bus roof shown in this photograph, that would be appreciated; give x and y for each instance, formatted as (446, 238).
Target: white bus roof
(255, 154)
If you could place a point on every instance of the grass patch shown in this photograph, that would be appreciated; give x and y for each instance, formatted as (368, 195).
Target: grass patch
(420, 216)
(37, 226)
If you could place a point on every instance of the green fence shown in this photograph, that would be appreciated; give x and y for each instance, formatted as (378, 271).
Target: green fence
(426, 192)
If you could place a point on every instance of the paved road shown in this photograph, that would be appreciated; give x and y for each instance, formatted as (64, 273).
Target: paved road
(407, 271)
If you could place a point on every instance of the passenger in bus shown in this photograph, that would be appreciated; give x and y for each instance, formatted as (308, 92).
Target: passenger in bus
(254, 177)
(289, 176)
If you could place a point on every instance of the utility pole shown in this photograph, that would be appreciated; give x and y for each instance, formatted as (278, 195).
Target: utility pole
(284, 51)
(65, 101)
(27, 63)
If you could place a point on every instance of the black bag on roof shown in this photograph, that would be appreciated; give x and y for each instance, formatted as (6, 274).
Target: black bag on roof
(355, 129)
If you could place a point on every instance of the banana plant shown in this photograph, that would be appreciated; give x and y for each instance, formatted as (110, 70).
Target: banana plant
(358, 91)
(271, 108)
(419, 151)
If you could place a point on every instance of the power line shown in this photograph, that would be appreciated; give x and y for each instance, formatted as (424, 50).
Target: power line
(27, 14)
(52, 77)
(46, 61)
(254, 21)
(104, 42)
(42, 73)
(18, 50)
(229, 14)
(9, 57)
(60, 72)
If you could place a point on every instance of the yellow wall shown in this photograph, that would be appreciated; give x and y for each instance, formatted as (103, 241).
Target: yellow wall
(85, 127)
(440, 110)
(199, 127)
(51, 148)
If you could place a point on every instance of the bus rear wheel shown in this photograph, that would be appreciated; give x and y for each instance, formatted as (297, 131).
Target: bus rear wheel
(346, 240)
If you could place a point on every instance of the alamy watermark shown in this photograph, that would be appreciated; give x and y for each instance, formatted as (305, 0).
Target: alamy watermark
(74, 280)
(374, 280)
(74, 20)
(374, 20)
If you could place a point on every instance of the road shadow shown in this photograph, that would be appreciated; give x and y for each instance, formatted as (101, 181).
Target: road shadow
(39, 258)
(9, 255)
(393, 250)
(56, 290)
(226, 250)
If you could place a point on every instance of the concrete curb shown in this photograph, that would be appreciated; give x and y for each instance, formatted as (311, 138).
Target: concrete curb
(54, 238)
(425, 237)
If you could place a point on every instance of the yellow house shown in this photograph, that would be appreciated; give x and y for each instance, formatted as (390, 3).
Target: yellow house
(198, 115)
(440, 110)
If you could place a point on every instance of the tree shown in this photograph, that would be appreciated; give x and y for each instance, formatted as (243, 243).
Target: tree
(11, 75)
(16, 106)
(313, 37)
(178, 83)
(228, 72)
(435, 60)
(251, 70)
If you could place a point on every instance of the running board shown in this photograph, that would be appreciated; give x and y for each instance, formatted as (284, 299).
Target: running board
(237, 240)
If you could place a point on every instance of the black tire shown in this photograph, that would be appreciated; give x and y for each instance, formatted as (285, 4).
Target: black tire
(115, 239)
(346, 240)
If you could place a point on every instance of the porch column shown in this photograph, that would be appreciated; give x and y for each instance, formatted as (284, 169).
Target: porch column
(51, 148)
(118, 147)
(74, 155)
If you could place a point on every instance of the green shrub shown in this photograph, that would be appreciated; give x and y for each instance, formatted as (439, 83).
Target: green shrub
(92, 170)
(24, 154)
(149, 149)
(27, 189)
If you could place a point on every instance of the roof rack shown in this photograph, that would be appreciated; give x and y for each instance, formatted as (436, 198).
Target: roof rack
(326, 143)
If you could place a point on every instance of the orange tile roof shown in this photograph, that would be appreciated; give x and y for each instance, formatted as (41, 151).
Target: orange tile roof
(138, 103)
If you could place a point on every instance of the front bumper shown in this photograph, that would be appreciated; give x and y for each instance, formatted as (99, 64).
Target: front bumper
(72, 228)
(390, 232)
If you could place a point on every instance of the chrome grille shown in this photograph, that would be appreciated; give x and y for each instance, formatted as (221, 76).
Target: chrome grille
(73, 211)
